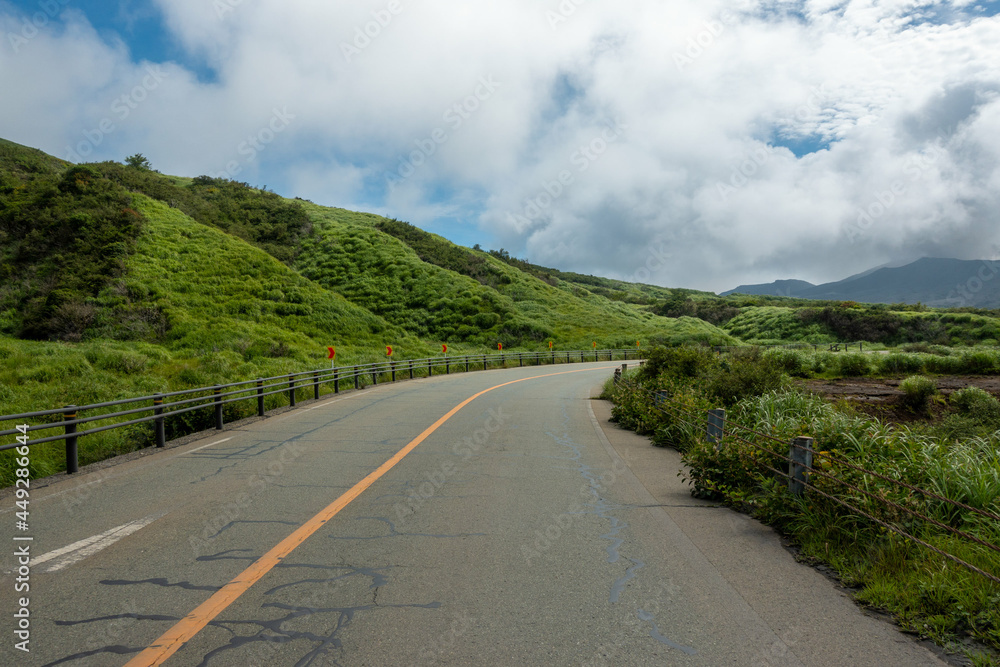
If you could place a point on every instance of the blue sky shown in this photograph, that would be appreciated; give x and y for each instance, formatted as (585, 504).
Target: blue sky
(696, 144)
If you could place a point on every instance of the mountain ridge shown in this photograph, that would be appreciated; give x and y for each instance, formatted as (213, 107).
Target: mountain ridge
(931, 281)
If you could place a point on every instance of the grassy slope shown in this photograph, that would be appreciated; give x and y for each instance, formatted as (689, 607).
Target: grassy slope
(775, 324)
(234, 312)
(380, 272)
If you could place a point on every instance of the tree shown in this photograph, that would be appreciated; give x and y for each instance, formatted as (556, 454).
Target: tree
(138, 161)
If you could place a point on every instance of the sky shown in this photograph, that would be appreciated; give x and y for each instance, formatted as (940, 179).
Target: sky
(684, 143)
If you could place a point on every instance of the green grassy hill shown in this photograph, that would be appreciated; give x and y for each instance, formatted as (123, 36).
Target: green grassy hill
(118, 281)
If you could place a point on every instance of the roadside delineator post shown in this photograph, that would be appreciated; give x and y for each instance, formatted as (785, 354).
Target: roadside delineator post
(801, 455)
(716, 427)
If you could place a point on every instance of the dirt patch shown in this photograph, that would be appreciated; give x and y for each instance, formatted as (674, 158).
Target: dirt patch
(881, 397)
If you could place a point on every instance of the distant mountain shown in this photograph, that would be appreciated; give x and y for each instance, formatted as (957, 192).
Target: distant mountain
(777, 288)
(932, 281)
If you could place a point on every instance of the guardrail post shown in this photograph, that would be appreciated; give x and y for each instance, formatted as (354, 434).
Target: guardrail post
(411, 369)
(466, 364)
(336, 380)
(716, 427)
(553, 356)
(260, 398)
(447, 366)
(520, 359)
(374, 377)
(503, 360)
(217, 391)
(430, 368)
(161, 435)
(357, 379)
(316, 386)
(801, 455)
(291, 391)
(392, 366)
(72, 454)
(484, 362)
(624, 368)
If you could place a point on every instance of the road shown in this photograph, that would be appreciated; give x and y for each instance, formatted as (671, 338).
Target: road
(366, 529)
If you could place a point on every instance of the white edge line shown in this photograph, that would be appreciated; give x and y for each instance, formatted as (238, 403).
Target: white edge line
(89, 546)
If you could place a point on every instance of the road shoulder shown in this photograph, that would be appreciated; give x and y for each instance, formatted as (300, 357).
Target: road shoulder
(816, 619)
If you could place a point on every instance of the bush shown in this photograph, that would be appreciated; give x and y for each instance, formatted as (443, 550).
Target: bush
(677, 362)
(854, 365)
(981, 363)
(900, 363)
(917, 390)
(977, 404)
(790, 361)
(745, 374)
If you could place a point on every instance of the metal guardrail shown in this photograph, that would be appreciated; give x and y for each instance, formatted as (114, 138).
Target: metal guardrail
(218, 396)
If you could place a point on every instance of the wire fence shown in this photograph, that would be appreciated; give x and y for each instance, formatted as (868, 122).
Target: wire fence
(752, 439)
(159, 408)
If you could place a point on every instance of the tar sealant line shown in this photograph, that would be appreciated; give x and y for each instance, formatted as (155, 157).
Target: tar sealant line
(602, 509)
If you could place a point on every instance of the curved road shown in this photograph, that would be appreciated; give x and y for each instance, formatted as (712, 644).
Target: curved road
(366, 530)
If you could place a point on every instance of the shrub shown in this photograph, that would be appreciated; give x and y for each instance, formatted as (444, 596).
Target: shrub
(981, 363)
(900, 363)
(978, 405)
(854, 365)
(745, 374)
(790, 361)
(677, 362)
(917, 390)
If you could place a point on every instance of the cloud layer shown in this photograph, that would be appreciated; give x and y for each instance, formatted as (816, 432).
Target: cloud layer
(695, 144)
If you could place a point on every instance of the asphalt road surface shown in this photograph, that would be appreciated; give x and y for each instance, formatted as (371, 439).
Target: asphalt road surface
(367, 529)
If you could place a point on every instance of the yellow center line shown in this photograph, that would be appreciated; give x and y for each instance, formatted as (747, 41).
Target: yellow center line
(189, 626)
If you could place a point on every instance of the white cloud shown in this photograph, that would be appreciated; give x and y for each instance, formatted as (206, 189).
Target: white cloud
(700, 91)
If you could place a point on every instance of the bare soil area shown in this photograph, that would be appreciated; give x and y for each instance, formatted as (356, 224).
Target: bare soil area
(880, 397)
